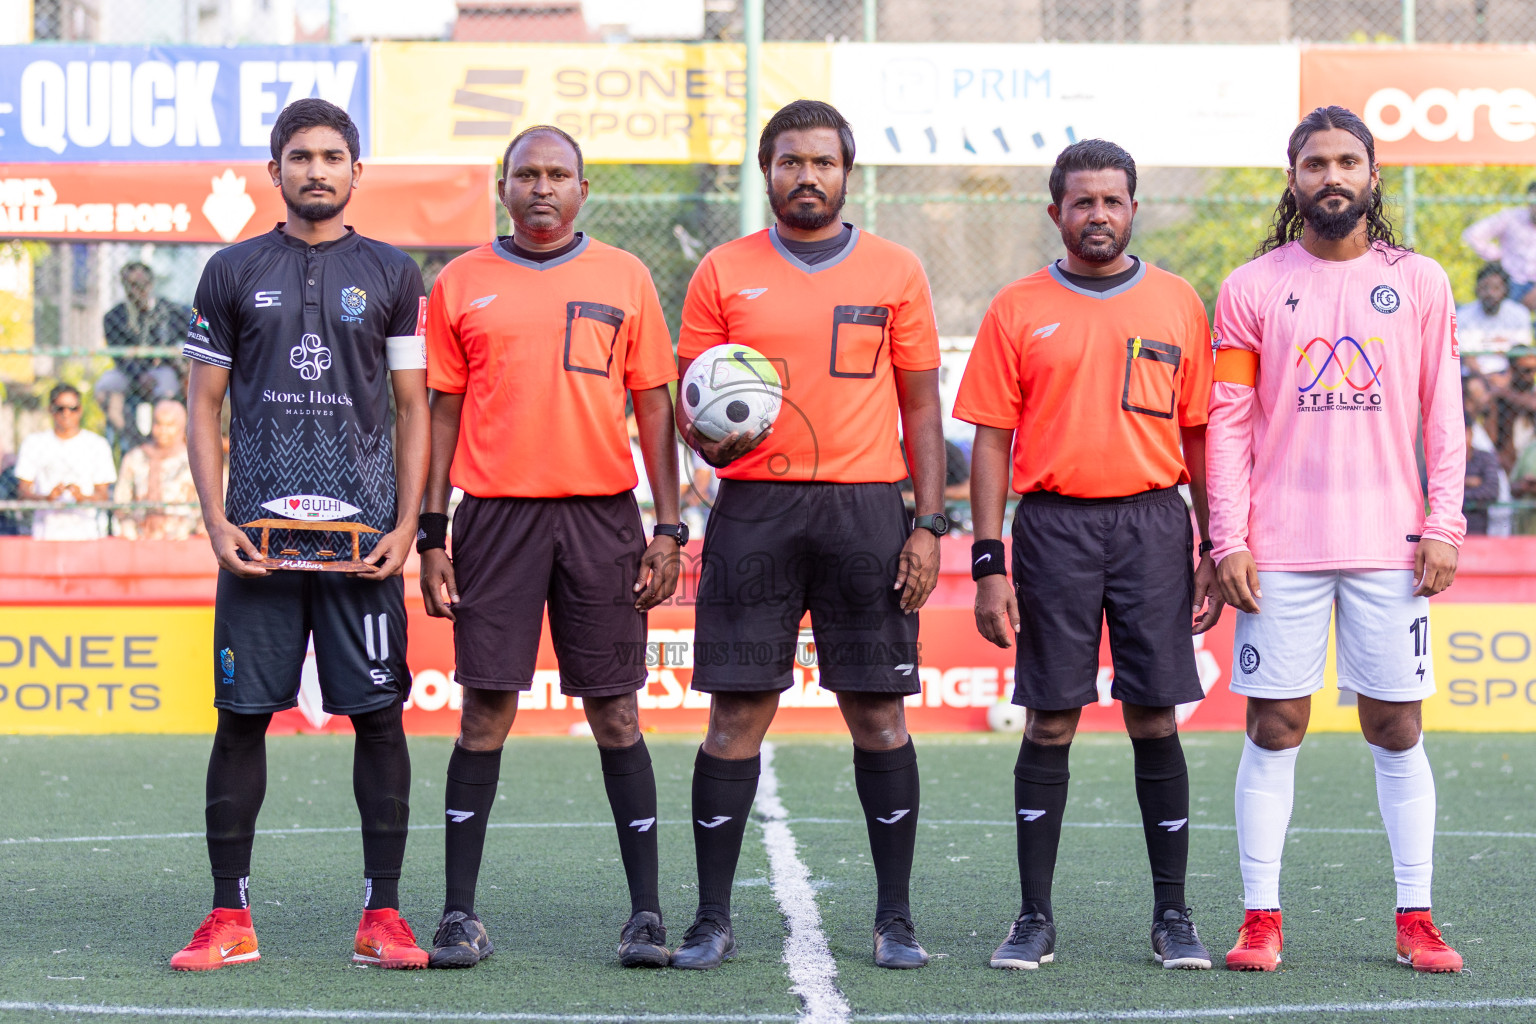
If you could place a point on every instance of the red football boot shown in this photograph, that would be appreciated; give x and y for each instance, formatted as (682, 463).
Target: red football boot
(226, 936)
(1420, 946)
(1258, 942)
(384, 939)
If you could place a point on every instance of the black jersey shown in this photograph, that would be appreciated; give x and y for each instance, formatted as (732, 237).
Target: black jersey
(302, 330)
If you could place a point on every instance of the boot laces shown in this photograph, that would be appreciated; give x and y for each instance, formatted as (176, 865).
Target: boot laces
(1261, 930)
(1428, 936)
(1026, 927)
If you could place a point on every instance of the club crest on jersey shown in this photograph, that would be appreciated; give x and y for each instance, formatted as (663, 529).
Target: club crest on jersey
(1384, 299)
(353, 302)
(1248, 659)
(311, 506)
(310, 357)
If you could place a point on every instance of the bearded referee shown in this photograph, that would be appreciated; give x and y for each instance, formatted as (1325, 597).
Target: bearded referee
(535, 341)
(1091, 373)
(310, 328)
(809, 514)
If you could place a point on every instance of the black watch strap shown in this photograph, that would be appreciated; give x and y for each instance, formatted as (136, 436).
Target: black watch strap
(677, 531)
(936, 524)
(1206, 546)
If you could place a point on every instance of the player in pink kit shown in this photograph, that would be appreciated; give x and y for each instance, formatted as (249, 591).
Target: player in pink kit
(1331, 344)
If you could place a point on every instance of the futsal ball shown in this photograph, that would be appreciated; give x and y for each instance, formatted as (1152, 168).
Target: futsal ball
(731, 389)
(1005, 717)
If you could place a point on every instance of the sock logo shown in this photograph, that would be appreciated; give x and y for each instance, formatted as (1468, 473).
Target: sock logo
(1173, 826)
(895, 816)
(245, 886)
(1029, 815)
(460, 817)
(720, 819)
(642, 824)
(367, 892)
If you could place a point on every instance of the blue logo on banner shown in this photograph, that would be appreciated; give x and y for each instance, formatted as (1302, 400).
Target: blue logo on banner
(83, 104)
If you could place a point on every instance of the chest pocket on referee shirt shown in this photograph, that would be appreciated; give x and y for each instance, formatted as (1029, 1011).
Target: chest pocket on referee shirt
(591, 333)
(1150, 370)
(858, 334)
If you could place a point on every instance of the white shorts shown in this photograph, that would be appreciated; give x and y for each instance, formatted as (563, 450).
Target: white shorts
(1382, 633)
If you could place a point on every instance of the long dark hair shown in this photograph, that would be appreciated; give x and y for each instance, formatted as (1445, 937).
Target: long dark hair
(1287, 224)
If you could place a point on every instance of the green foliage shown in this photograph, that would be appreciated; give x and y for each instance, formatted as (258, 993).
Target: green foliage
(1221, 231)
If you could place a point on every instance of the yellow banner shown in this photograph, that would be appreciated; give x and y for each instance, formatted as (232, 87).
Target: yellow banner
(68, 670)
(1485, 673)
(627, 103)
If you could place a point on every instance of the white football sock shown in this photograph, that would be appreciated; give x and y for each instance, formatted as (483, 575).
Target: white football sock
(1405, 792)
(1266, 789)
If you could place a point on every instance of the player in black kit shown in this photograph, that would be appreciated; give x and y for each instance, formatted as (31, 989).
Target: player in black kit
(309, 327)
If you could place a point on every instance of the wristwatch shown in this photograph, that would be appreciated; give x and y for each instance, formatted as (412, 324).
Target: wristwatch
(677, 531)
(1206, 547)
(936, 524)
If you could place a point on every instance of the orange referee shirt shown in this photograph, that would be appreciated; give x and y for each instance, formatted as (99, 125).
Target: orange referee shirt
(1094, 385)
(543, 354)
(835, 331)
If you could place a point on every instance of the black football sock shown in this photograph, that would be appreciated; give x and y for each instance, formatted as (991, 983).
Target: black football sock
(237, 784)
(888, 790)
(1162, 790)
(381, 782)
(1039, 802)
(722, 797)
(471, 791)
(631, 786)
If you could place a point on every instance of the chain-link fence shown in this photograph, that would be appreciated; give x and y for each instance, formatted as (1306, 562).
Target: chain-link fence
(104, 316)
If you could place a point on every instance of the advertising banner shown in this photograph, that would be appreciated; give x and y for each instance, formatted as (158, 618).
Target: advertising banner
(412, 205)
(629, 103)
(1432, 104)
(1021, 104)
(151, 670)
(77, 104)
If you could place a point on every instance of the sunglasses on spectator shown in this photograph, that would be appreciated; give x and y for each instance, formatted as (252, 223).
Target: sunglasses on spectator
(66, 408)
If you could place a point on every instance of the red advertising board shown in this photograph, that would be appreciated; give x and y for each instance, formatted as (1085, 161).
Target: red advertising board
(403, 204)
(1432, 104)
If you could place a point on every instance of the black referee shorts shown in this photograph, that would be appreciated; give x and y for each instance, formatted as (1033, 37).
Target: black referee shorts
(774, 551)
(261, 632)
(581, 555)
(1078, 562)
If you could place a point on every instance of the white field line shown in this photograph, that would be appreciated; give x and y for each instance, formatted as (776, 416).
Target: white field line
(929, 822)
(1058, 1017)
(273, 1013)
(812, 971)
(1219, 1012)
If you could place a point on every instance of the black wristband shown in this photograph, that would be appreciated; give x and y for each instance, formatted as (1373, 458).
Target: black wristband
(431, 532)
(988, 559)
(1206, 546)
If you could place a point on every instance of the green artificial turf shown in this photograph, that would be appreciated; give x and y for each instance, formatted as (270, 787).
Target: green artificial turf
(95, 921)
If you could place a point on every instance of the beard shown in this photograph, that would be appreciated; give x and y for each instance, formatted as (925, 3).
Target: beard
(808, 220)
(1099, 250)
(313, 210)
(1334, 225)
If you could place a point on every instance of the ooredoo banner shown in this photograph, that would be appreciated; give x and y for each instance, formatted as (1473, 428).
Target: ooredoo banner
(415, 205)
(173, 103)
(1432, 104)
(1021, 104)
(151, 670)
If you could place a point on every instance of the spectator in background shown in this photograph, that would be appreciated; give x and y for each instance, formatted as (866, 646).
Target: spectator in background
(1514, 406)
(1509, 238)
(1494, 323)
(1482, 484)
(1477, 402)
(1522, 485)
(141, 319)
(66, 465)
(159, 471)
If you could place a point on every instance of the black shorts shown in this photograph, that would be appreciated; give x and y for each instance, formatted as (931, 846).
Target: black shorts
(1078, 562)
(774, 551)
(261, 633)
(511, 555)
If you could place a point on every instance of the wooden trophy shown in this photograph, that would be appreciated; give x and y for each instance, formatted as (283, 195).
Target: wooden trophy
(325, 561)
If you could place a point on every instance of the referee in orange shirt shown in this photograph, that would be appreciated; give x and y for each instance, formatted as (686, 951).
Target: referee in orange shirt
(533, 342)
(810, 516)
(1094, 371)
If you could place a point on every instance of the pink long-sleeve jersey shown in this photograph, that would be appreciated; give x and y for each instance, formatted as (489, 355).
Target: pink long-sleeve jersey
(1310, 450)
